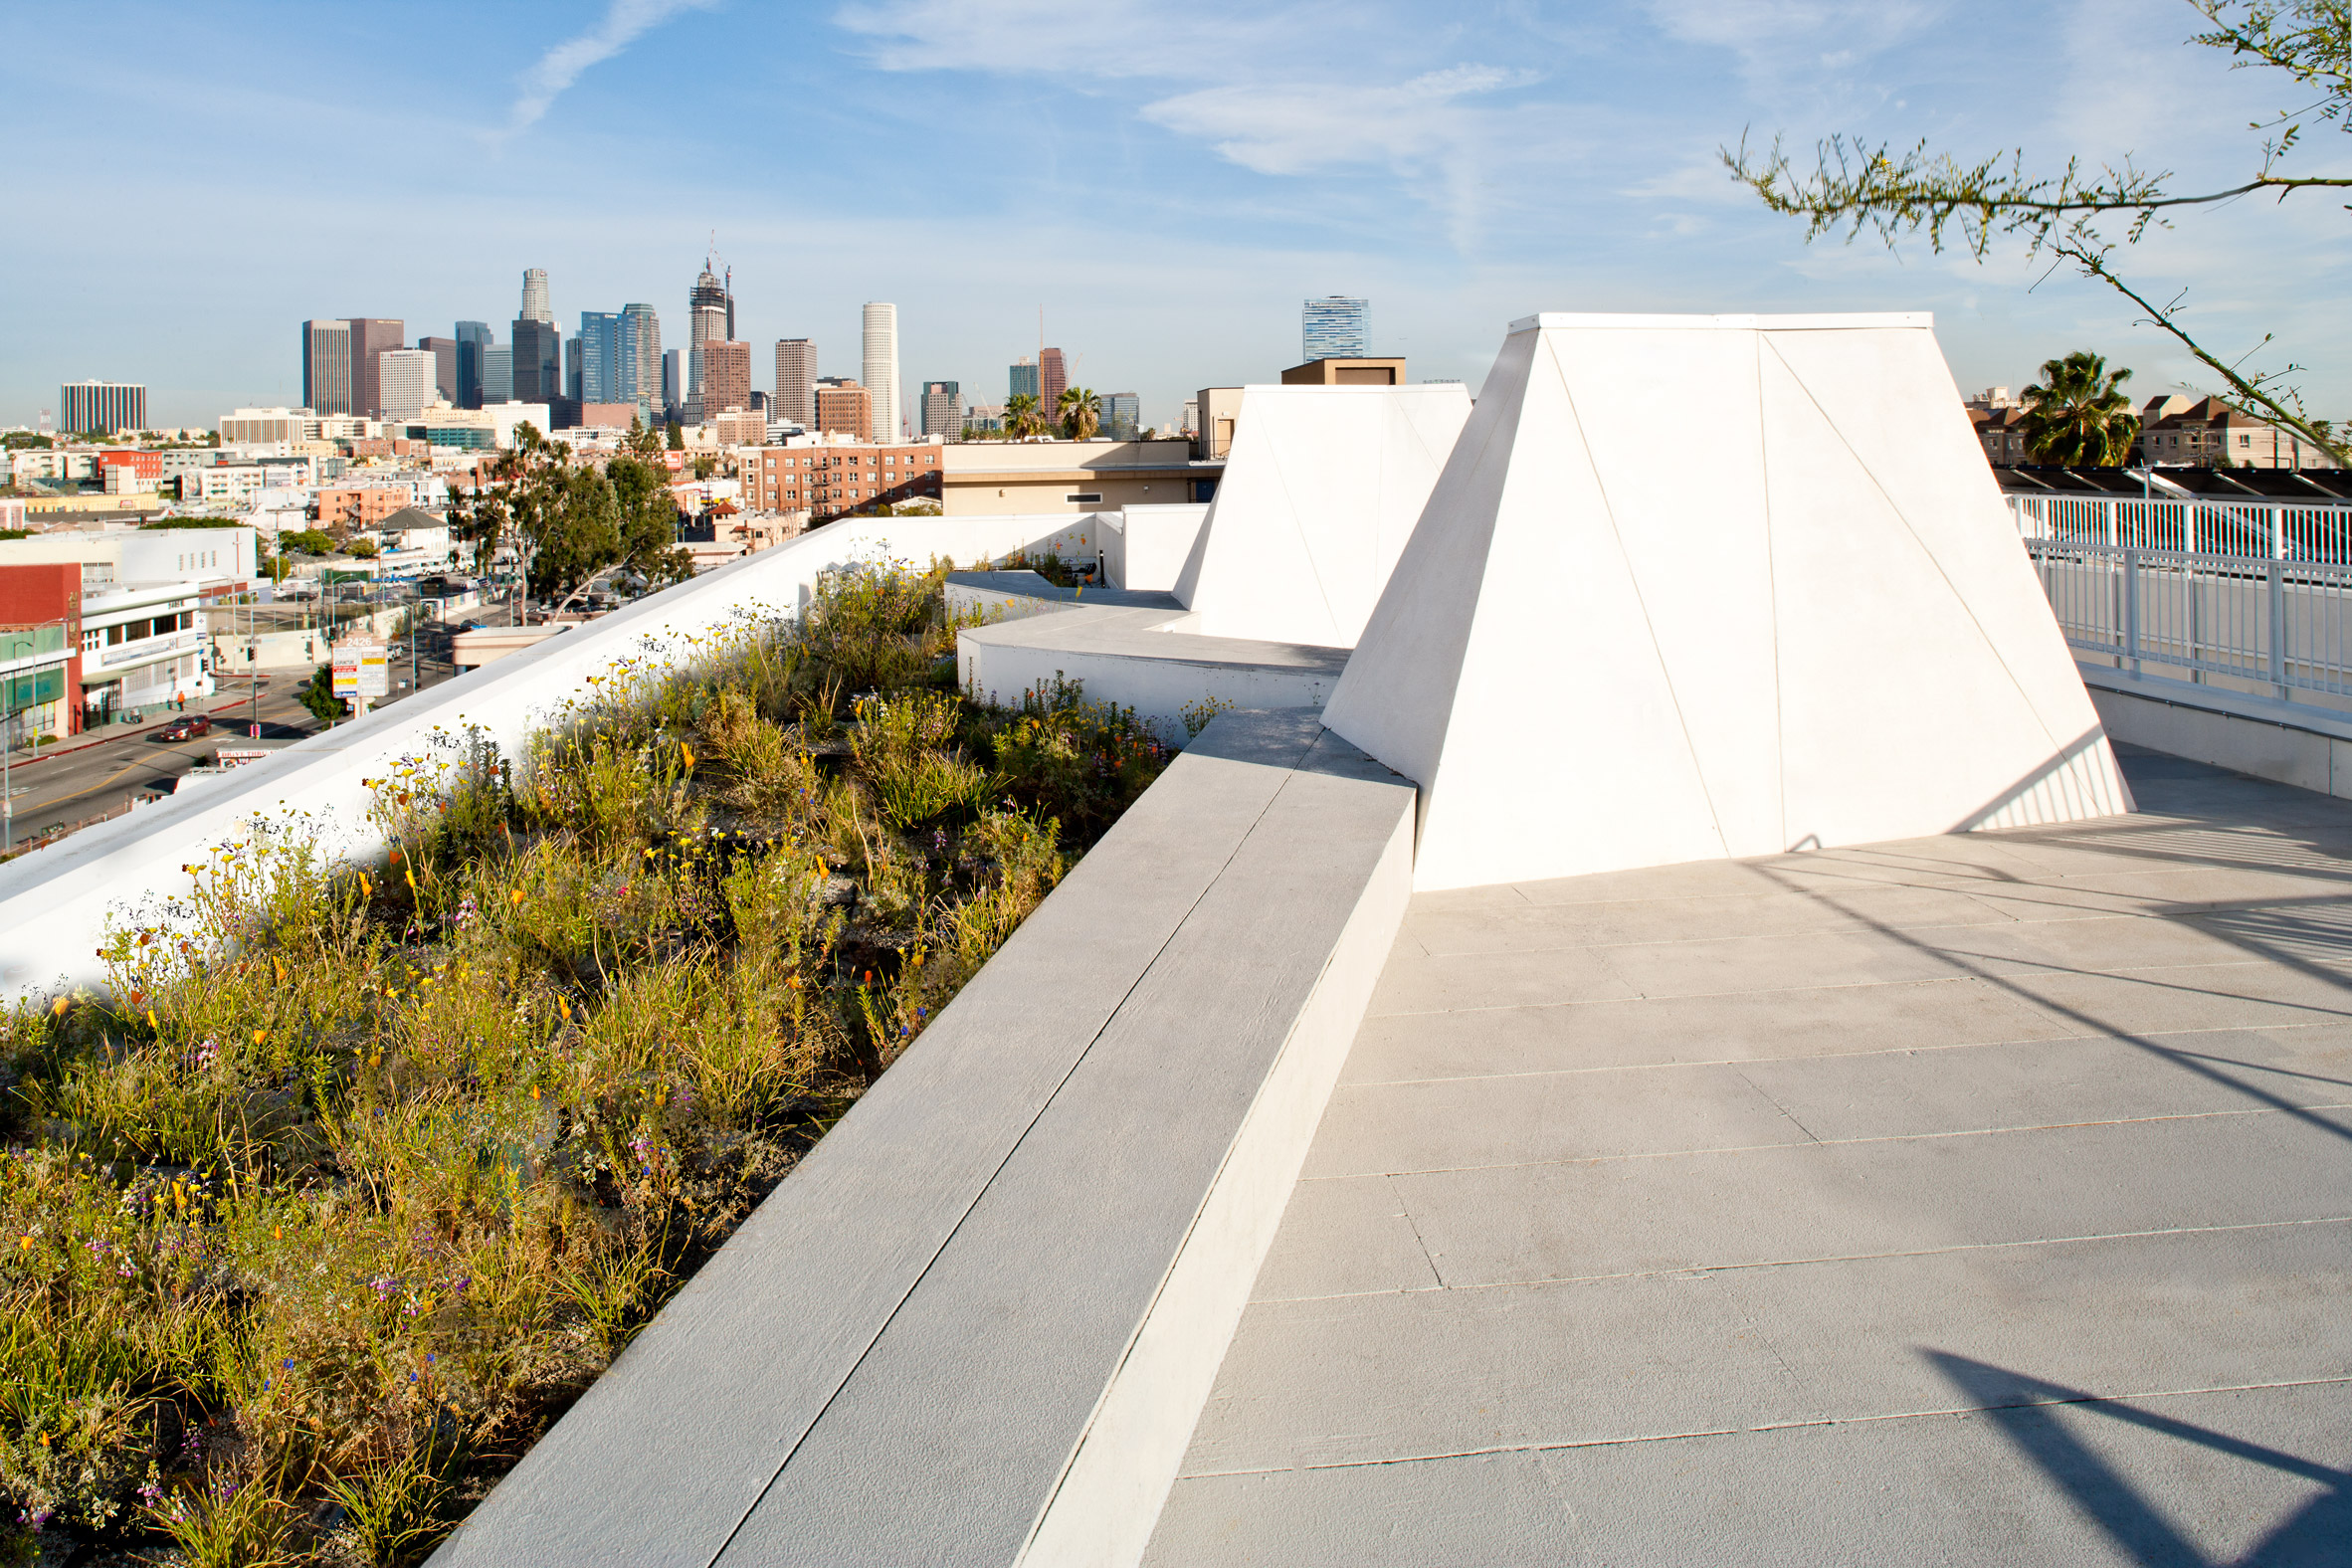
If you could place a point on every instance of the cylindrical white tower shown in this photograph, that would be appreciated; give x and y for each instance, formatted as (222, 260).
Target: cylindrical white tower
(881, 368)
(535, 296)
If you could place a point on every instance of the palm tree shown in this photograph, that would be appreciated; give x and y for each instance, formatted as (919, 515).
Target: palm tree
(2079, 414)
(1021, 415)
(1081, 411)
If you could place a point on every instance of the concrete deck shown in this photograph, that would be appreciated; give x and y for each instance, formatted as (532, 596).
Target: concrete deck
(1976, 1199)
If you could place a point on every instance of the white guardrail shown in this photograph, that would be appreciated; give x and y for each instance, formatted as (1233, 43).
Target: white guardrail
(2255, 590)
(57, 902)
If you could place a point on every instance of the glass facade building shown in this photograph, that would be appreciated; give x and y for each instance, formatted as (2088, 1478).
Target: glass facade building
(1022, 380)
(497, 373)
(1120, 415)
(1335, 327)
(473, 339)
(639, 378)
(599, 347)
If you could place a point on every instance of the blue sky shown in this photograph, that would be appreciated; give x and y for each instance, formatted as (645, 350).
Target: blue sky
(1168, 181)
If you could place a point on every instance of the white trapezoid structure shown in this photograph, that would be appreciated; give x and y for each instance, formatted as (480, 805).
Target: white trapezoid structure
(1323, 487)
(1694, 587)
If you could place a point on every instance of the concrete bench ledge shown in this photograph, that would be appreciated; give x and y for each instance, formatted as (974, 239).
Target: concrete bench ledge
(979, 1322)
(1138, 656)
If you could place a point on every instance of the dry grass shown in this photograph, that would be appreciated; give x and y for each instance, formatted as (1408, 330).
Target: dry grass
(356, 1176)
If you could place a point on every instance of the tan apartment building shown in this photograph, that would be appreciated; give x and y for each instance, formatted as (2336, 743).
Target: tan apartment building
(1216, 408)
(985, 478)
(2207, 434)
(828, 481)
(2002, 433)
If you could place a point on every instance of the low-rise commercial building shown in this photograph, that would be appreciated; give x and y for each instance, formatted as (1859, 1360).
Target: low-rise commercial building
(998, 476)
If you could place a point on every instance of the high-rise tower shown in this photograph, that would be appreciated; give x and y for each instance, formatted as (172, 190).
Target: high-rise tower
(372, 337)
(534, 297)
(1335, 327)
(641, 359)
(881, 368)
(710, 318)
(326, 367)
(1053, 375)
(796, 381)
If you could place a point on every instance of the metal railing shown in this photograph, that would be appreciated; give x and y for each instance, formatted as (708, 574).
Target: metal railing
(2279, 530)
(2279, 622)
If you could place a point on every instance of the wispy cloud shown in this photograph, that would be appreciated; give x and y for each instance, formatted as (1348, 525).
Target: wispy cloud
(1305, 126)
(625, 21)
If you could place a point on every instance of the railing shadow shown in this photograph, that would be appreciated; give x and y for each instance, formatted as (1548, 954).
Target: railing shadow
(2026, 1409)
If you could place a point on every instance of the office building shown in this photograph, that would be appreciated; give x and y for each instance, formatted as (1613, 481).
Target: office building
(639, 380)
(571, 370)
(1120, 416)
(1021, 380)
(943, 410)
(327, 366)
(372, 337)
(881, 369)
(727, 378)
(535, 305)
(405, 379)
(796, 381)
(538, 361)
(827, 480)
(88, 405)
(844, 409)
(497, 373)
(673, 383)
(444, 365)
(598, 346)
(473, 337)
(710, 318)
(1053, 378)
(1335, 327)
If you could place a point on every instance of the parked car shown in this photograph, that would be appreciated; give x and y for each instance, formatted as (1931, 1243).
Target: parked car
(187, 728)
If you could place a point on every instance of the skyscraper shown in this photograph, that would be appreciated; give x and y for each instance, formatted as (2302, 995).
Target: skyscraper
(473, 339)
(497, 373)
(673, 383)
(943, 409)
(535, 305)
(599, 344)
(1021, 380)
(881, 368)
(1053, 378)
(445, 366)
(538, 360)
(405, 379)
(710, 318)
(372, 337)
(726, 377)
(326, 367)
(796, 381)
(641, 361)
(102, 406)
(1121, 415)
(1335, 327)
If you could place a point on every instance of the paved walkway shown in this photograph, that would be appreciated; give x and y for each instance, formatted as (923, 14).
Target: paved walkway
(1972, 1200)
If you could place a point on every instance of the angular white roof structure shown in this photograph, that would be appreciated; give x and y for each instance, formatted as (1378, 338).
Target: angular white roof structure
(1322, 490)
(1694, 587)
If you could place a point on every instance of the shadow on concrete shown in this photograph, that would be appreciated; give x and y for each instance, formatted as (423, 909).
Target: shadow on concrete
(2058, 764)
(2286, 932)
(2026, 1409)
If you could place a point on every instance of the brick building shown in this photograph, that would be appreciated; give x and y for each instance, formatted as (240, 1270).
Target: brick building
(41, 649)
(726, 377)
(828, 481)
(844, 408)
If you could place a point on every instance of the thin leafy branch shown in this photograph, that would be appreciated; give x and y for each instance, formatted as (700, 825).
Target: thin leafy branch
(1856, 187)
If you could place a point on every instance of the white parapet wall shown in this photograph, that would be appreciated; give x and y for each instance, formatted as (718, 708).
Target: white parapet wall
(1145, 547)
(1322, 490)
(1609, 644)
(55, 903)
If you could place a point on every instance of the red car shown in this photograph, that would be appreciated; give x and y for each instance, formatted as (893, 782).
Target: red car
(185, 728)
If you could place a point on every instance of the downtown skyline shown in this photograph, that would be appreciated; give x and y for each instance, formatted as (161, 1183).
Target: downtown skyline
(1166, 184)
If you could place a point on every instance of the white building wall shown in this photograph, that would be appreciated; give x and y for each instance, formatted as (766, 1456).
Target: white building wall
(881, 368)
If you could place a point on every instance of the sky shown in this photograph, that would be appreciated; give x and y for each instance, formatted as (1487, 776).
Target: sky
(1165, 182)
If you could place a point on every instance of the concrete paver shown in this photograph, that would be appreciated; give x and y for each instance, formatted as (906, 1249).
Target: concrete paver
(1980, 1199)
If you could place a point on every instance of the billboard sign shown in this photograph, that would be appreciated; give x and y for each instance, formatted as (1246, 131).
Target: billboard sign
(361, 669)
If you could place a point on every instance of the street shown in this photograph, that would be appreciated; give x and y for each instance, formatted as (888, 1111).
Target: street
(72, 784)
